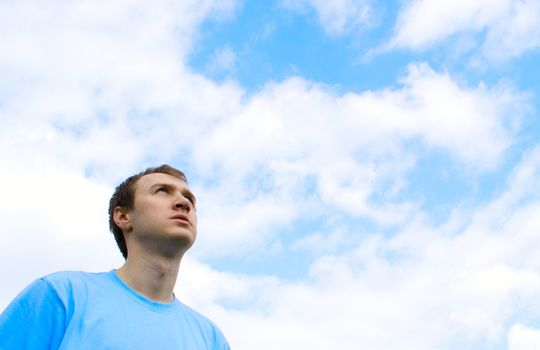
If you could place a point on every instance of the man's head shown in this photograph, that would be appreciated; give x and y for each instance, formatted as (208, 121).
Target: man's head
(124, 197)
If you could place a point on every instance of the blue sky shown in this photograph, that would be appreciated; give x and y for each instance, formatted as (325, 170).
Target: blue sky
(271, 42)
(366, 171)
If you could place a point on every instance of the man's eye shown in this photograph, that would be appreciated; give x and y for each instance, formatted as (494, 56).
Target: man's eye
(162, 189)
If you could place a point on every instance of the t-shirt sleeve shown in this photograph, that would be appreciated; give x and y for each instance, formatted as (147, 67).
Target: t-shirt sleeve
(223, 344)
(35, 319)
(220, 341)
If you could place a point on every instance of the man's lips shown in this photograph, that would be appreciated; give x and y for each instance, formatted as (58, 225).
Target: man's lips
(181, 217)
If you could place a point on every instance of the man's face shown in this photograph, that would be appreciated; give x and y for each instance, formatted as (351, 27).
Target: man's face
(163, 212)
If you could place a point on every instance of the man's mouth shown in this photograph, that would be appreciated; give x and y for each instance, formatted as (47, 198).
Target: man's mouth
(181, 217)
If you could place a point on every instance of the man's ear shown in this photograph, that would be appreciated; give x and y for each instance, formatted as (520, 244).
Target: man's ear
(122, 219)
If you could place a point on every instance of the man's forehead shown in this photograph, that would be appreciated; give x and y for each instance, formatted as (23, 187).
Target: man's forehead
(149, 180)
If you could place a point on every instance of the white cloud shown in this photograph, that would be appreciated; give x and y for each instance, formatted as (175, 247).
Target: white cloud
(338, 17)
(49, 217)
(510, 26)
(107, 88)
(232, 224)
(90, 91)
(522, 337)
(427, 287)
(351, 148)
(323, 242)
(103, 105)
(284, 122)
(223, 59)
(517, 33)
(422, 23)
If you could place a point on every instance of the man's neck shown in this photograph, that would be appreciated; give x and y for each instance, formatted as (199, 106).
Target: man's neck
(152, 276)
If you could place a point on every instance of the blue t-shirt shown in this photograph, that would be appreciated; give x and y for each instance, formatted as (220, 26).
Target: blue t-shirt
(79, 310)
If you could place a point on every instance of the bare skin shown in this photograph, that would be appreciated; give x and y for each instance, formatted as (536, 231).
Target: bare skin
(158, 231)
(152, 277)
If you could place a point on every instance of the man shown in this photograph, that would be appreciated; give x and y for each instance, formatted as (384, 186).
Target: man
(152, 217)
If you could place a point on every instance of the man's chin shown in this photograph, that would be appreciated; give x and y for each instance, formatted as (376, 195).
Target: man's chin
(174, 244)
(183, 239)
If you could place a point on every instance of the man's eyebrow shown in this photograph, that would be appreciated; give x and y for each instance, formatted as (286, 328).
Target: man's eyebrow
(185, 192)
(163, 184)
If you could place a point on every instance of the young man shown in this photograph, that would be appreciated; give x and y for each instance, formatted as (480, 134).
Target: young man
(153, 219)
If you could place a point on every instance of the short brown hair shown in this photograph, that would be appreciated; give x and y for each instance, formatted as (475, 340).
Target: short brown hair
(124, 197)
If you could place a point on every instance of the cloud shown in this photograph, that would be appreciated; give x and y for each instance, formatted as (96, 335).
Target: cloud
(297, 145)
(97, 82)
(88, 96)
(283, 121)
(222, 59)
(49, 217)
(103, 105)
(522, 337)
(503, 29)
(338, 17)
(426, 287)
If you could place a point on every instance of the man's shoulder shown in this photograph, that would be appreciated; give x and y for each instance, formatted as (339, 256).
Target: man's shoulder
(66, 282)
(193, 313)
(203, 321)
(63, 277)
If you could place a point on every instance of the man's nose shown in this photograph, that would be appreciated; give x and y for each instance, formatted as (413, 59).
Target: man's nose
(182, 203)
